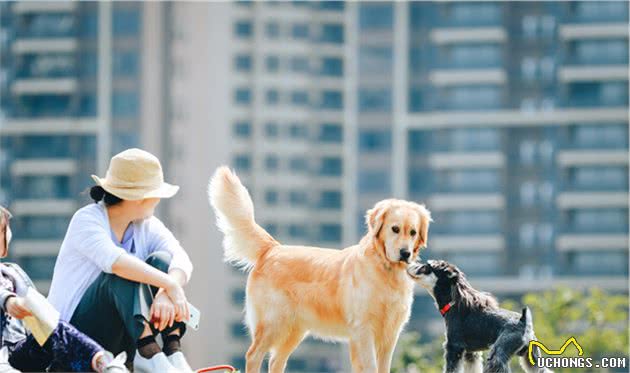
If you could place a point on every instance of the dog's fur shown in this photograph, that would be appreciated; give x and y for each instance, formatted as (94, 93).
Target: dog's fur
(475, 322)
(361, 294)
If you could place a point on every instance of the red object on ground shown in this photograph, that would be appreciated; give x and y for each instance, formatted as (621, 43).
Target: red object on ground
(215, 368)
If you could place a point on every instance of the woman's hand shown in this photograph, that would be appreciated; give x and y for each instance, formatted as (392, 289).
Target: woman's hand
(162, 311)
(17, 308)
(178, 297)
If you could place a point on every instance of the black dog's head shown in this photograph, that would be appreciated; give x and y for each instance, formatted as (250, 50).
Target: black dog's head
(437, 276)
(445, 282)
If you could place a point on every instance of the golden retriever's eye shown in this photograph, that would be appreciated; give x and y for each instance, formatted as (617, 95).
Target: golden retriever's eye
(395, 229)
(412, 232)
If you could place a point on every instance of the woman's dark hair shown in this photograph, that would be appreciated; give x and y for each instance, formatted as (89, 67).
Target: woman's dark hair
(99, 194)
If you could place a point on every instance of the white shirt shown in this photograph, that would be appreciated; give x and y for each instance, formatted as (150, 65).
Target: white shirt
(88, 249)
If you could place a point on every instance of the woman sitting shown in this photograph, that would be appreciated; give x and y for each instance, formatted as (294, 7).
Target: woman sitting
(120, 265)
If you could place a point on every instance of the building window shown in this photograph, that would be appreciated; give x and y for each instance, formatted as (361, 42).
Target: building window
(331, 100)
(238, 331)
(243, 62)
(298, 198)
(598, 94)
(330, 199)
(376, 16)
(299, 31)
(299, 98)
(272, 30)
(598, 221)
(298, 131)
(297, 231)
(238, 297)
(375, 60)
(272, 63)
(125, 63)
(242, 129)
(330, 232)
(272, 97)
(332, 5)
(332, 33)
(299, 64)
(271, 228)
(243, 29)
(374, 181)
(243, 96)
(126, 21)
(243, 162)
(375, 140)
(271, 197)
(471, 97)
(271, 130)
(602, 136)
(332, 66)
(375, 99)
(271, 163)
(125, 104)
(331, 166)
(599, 178)
(331, 132)
(298, 164)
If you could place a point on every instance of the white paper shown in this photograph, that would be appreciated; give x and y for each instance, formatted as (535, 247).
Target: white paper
(45, 317)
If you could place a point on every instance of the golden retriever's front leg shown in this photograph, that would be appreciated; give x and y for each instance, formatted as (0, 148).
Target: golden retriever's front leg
(362, 353)
(384, 354)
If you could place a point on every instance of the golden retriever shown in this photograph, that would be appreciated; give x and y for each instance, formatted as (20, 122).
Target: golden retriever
(361, 294)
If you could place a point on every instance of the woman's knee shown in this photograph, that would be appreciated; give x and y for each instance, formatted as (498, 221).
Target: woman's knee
(160, 260)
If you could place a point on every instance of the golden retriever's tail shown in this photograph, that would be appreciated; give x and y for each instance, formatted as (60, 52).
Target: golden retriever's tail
(244, 240)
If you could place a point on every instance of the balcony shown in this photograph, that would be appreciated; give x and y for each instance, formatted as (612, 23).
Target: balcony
(467, 35)
(596, 31)
(61, 86)
(573, 200)
(43, 6)
(452, 77)
(593, 73)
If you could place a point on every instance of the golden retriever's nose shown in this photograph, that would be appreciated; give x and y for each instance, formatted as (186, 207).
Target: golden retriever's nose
(404, 255)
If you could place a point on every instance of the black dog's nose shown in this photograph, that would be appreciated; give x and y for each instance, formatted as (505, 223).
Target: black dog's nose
(405, 254)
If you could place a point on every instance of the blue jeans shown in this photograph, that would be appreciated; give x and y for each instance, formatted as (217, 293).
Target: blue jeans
(66, 350)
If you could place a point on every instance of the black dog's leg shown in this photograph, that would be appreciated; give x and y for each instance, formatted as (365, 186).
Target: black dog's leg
(503, 349)
(453, 356)
(473, 362)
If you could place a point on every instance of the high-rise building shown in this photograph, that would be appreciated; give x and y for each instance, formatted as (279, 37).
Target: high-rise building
(510, 121)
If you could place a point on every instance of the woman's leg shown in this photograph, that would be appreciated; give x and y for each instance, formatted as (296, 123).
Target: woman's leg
(66, 349)
(115, 311)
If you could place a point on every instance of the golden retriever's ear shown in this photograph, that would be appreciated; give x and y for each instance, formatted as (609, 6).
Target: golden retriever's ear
(375, 216)
(425, 218)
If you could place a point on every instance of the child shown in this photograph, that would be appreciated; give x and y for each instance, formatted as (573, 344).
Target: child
(66, 349)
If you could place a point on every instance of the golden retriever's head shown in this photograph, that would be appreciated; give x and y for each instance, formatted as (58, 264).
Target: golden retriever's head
(400, 228)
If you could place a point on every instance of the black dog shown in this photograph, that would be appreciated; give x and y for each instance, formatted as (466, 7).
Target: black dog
(474, 322)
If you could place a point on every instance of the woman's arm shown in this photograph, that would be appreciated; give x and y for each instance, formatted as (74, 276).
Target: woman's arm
(160, 238)
(131, 268)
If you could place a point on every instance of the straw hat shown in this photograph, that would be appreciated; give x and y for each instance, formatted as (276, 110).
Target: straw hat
(135, 174)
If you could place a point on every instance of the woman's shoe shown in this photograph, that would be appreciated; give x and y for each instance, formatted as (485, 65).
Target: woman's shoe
(178, 360)
(158, 363)
(115, 364)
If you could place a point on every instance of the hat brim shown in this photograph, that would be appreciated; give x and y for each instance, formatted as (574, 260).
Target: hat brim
(165, 190)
